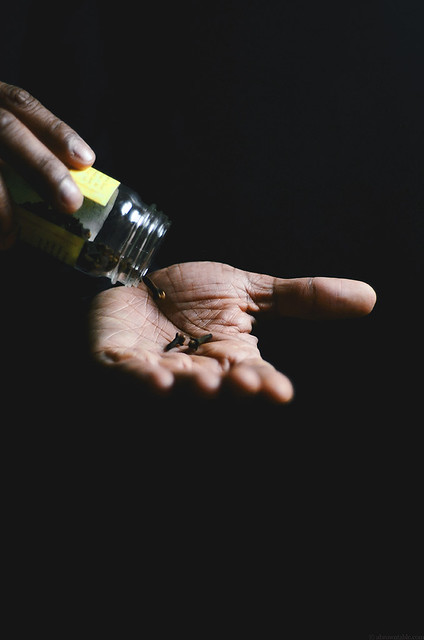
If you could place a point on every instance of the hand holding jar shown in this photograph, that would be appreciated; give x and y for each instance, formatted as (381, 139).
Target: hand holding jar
(41, 148)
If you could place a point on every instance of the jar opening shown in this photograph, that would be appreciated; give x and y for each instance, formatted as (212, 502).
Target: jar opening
(149, 229)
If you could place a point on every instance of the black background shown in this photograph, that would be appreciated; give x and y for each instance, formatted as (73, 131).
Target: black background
(279, 137)
(282, 138)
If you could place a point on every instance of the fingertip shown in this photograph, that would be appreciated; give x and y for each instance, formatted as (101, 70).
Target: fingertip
(358, 298)
(264, 380)
(370, 298)
(245, 379)
(69, 195)
(82, 155)
(280, 390)
(161, 379)
(208, 383)
(340, 297)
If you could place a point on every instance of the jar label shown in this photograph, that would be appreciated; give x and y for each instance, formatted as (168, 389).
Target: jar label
(95, 185)
(59, 235)
(49, 237)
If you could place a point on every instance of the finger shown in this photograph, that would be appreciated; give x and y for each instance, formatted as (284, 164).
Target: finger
(245, 378)
(313, 297)
(8, 227)
(163, 378)
(262, 378)
(157, 377)
(206, 382)
(49, 176)
(203, 374)
(277, 386)
(63, 141)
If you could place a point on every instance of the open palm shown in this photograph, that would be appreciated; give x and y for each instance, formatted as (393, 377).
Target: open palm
(130, 329)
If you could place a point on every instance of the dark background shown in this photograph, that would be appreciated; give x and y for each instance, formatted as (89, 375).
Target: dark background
(279, 137)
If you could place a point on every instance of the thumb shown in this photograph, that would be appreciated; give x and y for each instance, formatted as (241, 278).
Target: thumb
(316, 298)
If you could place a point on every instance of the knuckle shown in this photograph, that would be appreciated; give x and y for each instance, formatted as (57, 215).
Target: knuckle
(310, 284)
(56, 126)
(7, 119)
(19, 97)
(312, 294)
(51, 167)
(50, 174)
(51, 170)
(59, 130)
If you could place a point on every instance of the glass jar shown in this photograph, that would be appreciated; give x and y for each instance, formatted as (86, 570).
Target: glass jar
(113, 234)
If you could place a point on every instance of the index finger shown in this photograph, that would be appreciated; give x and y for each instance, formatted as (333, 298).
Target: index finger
(60, 138)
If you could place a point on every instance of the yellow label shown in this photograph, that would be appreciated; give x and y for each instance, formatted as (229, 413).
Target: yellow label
(95, 185)
(50, 238)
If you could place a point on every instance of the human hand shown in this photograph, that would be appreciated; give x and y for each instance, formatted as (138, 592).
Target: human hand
(130, 329)
(40, 147)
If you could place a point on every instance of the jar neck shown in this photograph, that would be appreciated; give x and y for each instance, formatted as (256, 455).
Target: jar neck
(149, 227)
(133, 231)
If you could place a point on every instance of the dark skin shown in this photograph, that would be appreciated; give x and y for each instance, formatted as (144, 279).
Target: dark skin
(42, 148)
(130, 327)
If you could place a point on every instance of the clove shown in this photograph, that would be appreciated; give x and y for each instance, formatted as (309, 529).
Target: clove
(156, 291)
(176, 342)
(195, 343)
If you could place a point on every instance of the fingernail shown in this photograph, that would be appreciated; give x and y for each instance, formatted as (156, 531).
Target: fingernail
(69, 194)
(83, 152)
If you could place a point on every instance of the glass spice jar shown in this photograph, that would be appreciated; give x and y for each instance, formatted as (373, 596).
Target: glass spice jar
(113, 234)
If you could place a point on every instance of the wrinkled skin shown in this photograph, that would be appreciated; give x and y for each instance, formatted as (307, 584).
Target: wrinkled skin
(130, 328)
